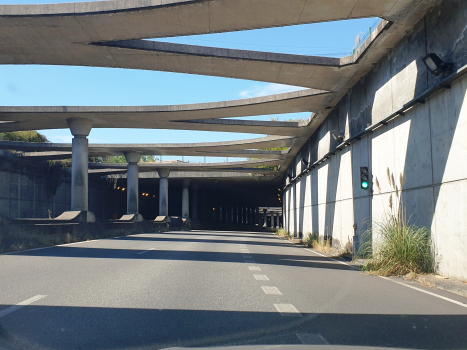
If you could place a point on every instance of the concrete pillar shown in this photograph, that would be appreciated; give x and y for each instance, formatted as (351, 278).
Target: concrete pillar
(273, 219)
(232, 215)
(186, 199)
(163, 192)
(194, 200)
(265, 220)
(257, 216)
(237, 215)
(220, 214)
(132, 194)
(80, 128)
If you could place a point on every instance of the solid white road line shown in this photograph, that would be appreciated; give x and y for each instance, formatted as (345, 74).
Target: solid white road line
(398, 282)
(20, 305)
(261, 277)
(254, 268)
(145, 251)
(425, 291)
(271, 290)
(286, 309)
(340, 262)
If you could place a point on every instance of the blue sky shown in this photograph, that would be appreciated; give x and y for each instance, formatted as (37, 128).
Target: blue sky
(81, 86)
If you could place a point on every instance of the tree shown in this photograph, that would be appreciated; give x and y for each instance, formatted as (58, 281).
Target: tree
(26, 136)
(120, 159)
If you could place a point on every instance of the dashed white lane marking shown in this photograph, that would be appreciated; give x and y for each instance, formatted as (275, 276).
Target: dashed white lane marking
(20, 305)
(254, 268)
(271, 290)
(261, 277)
(247, 257)
(426, 292)
(287, 310)
(145, 251)
(249, 261)
(311, 339)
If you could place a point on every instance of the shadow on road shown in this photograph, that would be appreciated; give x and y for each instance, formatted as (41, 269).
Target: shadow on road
(226, 240)
(56, 327)
(229, 257)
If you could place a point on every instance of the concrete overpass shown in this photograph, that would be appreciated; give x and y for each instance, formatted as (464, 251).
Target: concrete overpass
(114, 33)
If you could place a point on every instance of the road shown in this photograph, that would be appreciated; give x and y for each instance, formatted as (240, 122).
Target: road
(211, 288)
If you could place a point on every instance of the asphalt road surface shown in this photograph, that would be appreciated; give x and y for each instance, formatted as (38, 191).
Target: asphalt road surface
(211, 288)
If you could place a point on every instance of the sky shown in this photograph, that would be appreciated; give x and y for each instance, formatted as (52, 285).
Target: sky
(34, 85)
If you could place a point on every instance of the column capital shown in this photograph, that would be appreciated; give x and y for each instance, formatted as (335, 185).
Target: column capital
(132, 157)
(80, 126)
(163, 172)
(186, 182)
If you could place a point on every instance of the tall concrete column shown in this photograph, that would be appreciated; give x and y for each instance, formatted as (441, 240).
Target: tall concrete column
(220, 214)
(265, 219)
(273, 219)
(132, 195)
(232, 215)
(80, 128)
(185, 199)
(163, 192)
(194, 200)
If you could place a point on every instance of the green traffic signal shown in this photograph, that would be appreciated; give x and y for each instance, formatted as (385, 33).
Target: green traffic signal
(365, 179)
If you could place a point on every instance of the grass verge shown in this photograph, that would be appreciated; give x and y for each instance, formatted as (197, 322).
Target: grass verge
(394, 248)
(283, 233)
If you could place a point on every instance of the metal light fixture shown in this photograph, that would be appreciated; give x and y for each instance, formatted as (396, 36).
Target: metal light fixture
(436, 65)
(336, 136)
(304, 162)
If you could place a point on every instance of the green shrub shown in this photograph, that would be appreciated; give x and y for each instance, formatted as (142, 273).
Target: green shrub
(27, 136)
(394, 247)
(283, 233)
(310, 239)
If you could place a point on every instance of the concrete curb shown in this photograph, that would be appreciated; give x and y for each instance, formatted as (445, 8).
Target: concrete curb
(456, 287)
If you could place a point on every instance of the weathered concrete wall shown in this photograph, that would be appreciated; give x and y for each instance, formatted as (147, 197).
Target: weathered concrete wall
(427, 147)
(24, 192)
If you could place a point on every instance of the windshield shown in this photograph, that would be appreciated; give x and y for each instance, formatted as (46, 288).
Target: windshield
(227, 173)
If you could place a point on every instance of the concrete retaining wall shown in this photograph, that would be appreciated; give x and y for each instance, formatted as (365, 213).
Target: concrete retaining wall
(19, 237)
(427, 147)
(24, 192)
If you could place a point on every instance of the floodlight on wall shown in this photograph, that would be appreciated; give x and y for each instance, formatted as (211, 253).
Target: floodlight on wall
(336, 136)
(436, 65)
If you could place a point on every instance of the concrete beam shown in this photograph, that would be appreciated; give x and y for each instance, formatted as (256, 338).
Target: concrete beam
(163, 117)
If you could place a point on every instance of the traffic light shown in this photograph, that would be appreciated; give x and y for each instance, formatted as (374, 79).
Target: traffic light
(365, 179)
